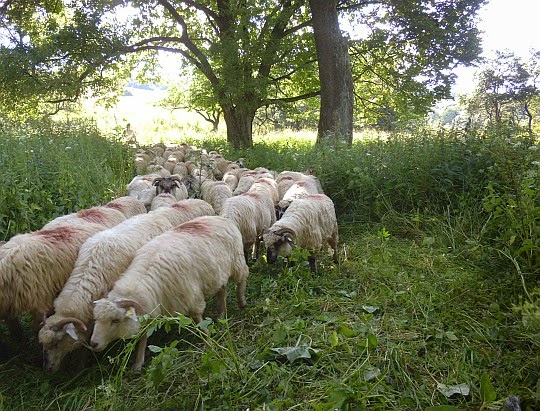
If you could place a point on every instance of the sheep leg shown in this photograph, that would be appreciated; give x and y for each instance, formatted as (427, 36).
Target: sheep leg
(241, 293)
(221, 295)
(312, 265)
(81, 356)
(15, 329)
(334, 244)
(139, 357)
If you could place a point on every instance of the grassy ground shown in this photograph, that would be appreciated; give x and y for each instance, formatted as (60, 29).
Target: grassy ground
(424, 311)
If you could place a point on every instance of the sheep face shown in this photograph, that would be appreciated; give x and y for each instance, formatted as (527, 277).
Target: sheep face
(166, 185)
(113, 320)
(59, 337)
(278, 244)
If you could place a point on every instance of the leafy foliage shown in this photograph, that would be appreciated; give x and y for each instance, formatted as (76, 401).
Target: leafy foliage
(52, 169)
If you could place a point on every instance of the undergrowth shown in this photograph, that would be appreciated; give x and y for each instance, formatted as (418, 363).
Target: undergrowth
(434, 304)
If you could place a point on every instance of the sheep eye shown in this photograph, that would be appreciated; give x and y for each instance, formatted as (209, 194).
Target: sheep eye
(115, 321)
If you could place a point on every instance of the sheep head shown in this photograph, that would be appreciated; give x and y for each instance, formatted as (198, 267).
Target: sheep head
(166, 184)
(278, 242)
(114, 320)
(59, 336)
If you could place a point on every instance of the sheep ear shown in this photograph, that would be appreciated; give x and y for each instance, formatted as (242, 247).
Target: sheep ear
(72, 331)
(289, 238)
(131, 313)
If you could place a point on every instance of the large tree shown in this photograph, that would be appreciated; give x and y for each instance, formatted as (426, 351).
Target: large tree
(337, 98)
(251, 53)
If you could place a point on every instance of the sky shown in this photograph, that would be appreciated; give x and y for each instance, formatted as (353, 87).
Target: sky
(507, 25)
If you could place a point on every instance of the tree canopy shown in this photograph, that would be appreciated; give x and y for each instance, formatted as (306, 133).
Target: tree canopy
(249, 54)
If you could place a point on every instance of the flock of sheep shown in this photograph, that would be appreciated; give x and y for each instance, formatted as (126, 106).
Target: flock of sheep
(189, 224)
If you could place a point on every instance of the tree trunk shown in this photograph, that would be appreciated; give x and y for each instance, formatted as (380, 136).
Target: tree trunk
(239, 123)
(337, 98)
(529, 118)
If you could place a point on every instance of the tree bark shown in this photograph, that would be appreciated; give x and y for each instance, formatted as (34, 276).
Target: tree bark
(239, 123)
(337, 97)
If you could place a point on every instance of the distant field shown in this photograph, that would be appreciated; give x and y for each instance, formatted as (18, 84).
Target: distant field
(151, 122)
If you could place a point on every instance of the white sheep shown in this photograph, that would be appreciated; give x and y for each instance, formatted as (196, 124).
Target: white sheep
(309, 223)
(162, 200)
(127, 205)
(101, 260)
(215, 193)
(141, 187)
(35, 266)
(252, 212)
(230, 179)
(301, 188)
(266, 185)
(101, 217)
(202, 256)
(172, 185)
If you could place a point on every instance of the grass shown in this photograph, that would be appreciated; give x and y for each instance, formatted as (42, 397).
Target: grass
(423, 303)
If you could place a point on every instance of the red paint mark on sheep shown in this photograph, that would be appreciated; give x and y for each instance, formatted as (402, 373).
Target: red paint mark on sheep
(193, 228)
(115, 206)
(94, 215)
(181, 206)
(57, 235)
(253, 194)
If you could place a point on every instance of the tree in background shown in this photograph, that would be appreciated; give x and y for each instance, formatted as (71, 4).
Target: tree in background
(251, 54)
(507, 88)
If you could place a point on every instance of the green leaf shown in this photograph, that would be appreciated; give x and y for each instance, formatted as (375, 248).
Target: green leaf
(372, 341)
(451, 336)
(346, 331)
(369, 308)
(487, 392)
(442, 408)
(294, 353)
(154, 348)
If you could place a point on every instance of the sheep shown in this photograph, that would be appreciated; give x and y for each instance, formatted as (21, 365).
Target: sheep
(141, 188)
(108, 215)
(309, 222)
(101, 217)
(128, 206)
(299, 189)
(203, 255)
(171, 185)
(267, 185)
(101, 260)
(230, 179)
(252, 212)
(158, 169)
(215, 193)
(35, 266)
(244, 184)
(180, 169)
(162, 200)
(170, 163)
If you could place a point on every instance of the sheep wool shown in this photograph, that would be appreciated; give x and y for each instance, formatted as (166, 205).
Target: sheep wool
(35, 266)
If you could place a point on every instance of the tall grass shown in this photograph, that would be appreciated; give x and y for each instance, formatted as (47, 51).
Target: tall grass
(50, 169)
(436, 289)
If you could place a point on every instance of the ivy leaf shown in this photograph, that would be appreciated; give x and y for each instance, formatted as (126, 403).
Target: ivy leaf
(451, 390)
(294, 353)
